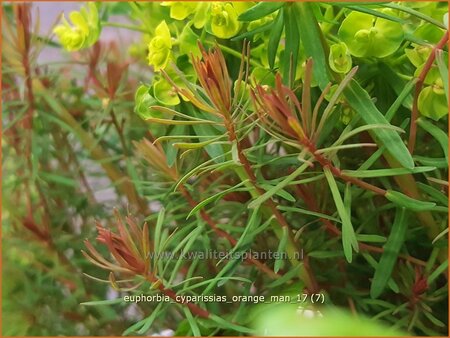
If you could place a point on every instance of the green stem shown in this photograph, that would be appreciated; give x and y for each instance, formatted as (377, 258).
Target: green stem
(125, 26)
(233, 53)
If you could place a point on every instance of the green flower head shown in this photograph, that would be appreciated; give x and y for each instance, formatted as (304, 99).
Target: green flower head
(339, 59)
(160, 47)
(180, 10)
(418, 55)
(367, 35)
(143, 101)
(164, 92)
(83, 32)
(432, 101)
(224, 20)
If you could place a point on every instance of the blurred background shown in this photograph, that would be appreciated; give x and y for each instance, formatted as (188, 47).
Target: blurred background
(50, 179)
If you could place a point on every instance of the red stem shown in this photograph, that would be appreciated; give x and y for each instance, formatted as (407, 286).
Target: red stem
(332, 229)
(261, 266)
(195, 309)
(419, 84)
(270, 203)
(324, 162)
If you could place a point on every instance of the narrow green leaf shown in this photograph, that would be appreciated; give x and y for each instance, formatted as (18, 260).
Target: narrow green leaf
(443, 69)
(281, 249)
(228, 325)
(434, 193)
(386, 172)
(320, 254)
(440, 269)
(234, 262)
(195, 170)
(313, 42)
(401, 87)
(335, 149)
(274, 39)
(282, 193)
(227, 271)
(179, 122)
(438, 237)
(214, 198)
(235, 153)
(253, 222)
(370, 238)
(415, 13)
(374, 13)
(408, 202)
(308, 212)
(249, 34)
(104, 302)
(206, 282)
(189, 240)
(59, 179)
(401, 98)
(263, 226)
(390, 253)
(433, 319)
(158, 229)
(198, 145)
(292, 44)
(226, 165)
(145, 324)
(214, 150)
(373, 263)
(264, 197)
(260, 10)
(348, 233)
(431, 161)
(330, 108)
(170, 151)
(346, 136)
(192, 322)
(348, 199)
(293, 272)
(360, 101)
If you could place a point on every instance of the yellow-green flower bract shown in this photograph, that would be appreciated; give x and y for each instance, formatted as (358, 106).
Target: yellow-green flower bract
(339, 59)
(160, 47)
(224, 20)
(180, 10)
(366, 35)
(83, 32)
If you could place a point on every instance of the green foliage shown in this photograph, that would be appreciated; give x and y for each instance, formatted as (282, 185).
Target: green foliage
(389, 257)
(230, 153)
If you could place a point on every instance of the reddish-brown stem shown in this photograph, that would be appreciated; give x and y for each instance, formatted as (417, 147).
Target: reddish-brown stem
(81, 173)
(332, 229)
(324, 162)
(195, 309)
(251, 175)
(261, 266)
(420, 80)
(119, 130)
(23, 25)
(270, 203)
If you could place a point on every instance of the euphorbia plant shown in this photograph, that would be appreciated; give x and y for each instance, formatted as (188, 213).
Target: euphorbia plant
(274, 153)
